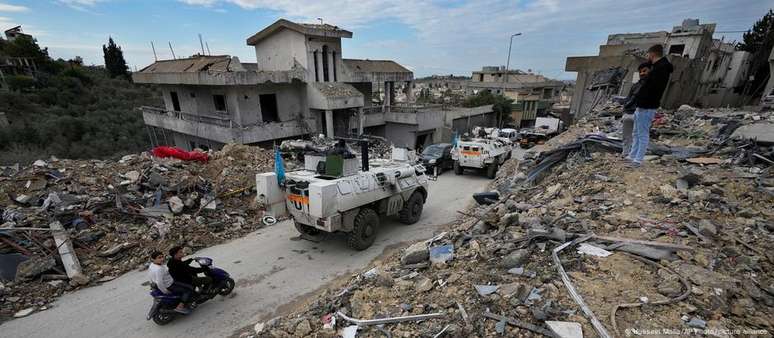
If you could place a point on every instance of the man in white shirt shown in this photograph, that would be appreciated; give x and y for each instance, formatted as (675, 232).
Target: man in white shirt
(160, 276)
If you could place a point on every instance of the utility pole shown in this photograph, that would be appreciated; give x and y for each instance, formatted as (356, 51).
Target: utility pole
(508, 63)
(200, 43)
(172, 50)
(155, 58)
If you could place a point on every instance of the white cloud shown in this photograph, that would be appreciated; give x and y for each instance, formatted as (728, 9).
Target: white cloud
(12, 8)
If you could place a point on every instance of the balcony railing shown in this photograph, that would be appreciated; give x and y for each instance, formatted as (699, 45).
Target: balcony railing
(208, 119)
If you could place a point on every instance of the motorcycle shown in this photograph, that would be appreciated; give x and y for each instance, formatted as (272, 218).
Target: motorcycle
(163, 309)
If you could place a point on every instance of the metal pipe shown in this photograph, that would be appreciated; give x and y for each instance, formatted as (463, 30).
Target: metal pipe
(368, 322)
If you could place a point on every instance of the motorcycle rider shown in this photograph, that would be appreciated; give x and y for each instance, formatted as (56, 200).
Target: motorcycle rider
(160, 276)
(183, 273)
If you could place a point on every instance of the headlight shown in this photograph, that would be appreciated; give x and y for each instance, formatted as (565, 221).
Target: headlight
(432, 161)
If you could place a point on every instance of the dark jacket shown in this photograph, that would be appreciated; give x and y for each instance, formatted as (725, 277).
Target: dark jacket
(630, 104)
(181, 271)
(649, 96)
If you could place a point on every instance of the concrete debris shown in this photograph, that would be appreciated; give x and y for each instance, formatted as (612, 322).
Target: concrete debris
(588, 249)
(565, 329)
(24, 313)
(175, 205)
(485, 290)
(416, 253)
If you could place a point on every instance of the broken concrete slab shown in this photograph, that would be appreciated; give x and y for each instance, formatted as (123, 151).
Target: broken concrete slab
(515, 259)
(416, 253)
(565, 329)
(24, 313)
(67, 254)
(33, 267)
(485, 290)
(762, 132)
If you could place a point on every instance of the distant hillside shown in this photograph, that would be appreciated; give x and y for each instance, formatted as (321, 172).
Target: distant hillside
(67, 110)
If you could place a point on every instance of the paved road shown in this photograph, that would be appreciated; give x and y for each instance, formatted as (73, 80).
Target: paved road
(271, 270)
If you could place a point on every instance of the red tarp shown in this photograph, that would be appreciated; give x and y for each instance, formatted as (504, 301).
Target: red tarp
(178, 153)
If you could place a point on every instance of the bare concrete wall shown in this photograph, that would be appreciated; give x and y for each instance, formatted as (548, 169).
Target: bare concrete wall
(401, 135)
(279, 50)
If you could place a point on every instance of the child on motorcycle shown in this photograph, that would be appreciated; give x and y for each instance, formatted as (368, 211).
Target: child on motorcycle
(160, 276)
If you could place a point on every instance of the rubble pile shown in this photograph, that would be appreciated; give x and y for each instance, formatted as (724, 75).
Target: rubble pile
(579, 244)
(113, 214)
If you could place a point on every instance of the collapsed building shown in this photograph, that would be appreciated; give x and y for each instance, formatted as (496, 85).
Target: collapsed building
(532, 94)
(708, 72)
(299, 85)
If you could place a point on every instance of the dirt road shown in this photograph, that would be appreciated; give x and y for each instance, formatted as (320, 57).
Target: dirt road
(271, 269)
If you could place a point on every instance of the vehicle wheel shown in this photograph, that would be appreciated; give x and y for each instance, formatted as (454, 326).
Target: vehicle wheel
(309, 232)
(491, 170)
(161, 318)
(457, 168)
(228, 287)
(412, 210)
(364, 232)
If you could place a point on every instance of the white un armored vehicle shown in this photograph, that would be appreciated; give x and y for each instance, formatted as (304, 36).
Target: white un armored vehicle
(485, 151)
(337, 191)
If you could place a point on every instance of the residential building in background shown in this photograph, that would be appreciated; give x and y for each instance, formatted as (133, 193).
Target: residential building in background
(13, 66)
(299, 85)
(533, 94)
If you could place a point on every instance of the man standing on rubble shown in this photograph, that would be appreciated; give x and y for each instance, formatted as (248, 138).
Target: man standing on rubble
(160, 276)
(629, 106)
(647, 101)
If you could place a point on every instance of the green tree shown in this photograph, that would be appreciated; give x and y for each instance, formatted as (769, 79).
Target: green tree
(501, 105)
(114, 59)
(759, 41)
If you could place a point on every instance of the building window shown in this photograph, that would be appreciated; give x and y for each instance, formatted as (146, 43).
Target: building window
(268, 104)
(316, 71)
(333, 56)
(480, 77)
(220, 102)
(325, 63)
(676, 50)
(175, 101)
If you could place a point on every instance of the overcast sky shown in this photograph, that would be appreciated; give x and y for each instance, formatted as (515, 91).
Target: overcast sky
(429, 37)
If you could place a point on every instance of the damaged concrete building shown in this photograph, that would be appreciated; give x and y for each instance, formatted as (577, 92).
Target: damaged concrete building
(532, 94)
(708, 72)
(299, 85)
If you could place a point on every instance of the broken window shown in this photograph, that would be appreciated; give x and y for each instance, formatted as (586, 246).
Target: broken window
(333, 56)
(220, 102)
(268, 104)
(316, 71)
(175, 101)
(480, 77)
(676, 49)
(325, 63)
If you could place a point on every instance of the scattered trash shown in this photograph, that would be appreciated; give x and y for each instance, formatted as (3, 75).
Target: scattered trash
(268, 220)
(441, 254)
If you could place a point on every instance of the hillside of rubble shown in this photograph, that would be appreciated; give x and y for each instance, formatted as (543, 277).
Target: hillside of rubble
(115, 213)
(678, 247)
